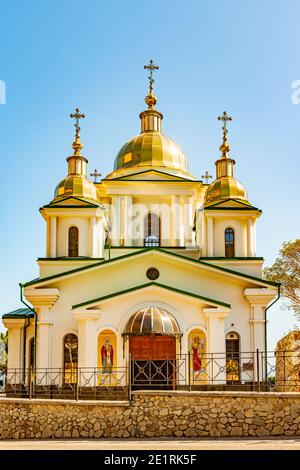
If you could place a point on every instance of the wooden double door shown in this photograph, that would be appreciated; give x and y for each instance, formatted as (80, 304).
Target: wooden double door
(153, 361)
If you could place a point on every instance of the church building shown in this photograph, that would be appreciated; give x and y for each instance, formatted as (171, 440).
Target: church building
(148, 263)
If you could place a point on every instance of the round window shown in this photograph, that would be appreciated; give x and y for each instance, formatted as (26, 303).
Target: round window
(152, 274)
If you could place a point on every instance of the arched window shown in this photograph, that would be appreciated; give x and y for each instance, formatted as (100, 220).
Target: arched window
(73, 242)
(232, 357)
(229, 243)
(152, 230)
(70, 345)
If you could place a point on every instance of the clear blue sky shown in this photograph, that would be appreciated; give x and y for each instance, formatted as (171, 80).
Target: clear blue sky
(241, 57)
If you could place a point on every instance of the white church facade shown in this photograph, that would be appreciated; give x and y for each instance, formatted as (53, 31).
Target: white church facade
(149, 263)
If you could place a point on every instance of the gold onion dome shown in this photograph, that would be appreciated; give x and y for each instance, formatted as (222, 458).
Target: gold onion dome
(76, 184)
(225, 186)
(151, 149)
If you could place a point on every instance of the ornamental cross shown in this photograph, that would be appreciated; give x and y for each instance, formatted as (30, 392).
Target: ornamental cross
(151, 67)
(77, 116)
(206, 176)
(224, 118)
(95, 175)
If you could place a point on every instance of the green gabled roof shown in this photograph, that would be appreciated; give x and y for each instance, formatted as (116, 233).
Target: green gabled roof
(19, 313)
(129, 255)
(87, 204)
(216, 206)
(176, 177)
(157, 284)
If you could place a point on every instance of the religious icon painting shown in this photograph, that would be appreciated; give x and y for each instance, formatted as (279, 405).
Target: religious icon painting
(107, 358)
(197, 350)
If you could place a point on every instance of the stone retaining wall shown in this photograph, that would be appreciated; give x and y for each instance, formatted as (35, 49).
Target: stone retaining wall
(155, 414)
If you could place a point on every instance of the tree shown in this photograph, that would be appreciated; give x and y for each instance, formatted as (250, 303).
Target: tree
(3, 350)
(286, 270)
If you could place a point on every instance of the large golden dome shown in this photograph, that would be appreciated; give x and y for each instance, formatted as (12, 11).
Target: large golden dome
(151, 149)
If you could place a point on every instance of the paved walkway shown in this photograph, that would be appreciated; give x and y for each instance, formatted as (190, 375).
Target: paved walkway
(153, 444)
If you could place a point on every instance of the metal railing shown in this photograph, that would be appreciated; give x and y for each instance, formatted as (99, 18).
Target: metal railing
(76, 384)
(256, 371)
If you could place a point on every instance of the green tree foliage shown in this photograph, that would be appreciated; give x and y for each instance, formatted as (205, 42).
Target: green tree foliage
(286, 270)
(3, 356)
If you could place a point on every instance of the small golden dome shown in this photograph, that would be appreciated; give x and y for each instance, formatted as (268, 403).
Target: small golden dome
(226, 187)
(155, 150)
(77, 186)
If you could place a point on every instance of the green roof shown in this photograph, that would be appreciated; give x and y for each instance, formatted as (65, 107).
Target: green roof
(19, 313)
(157, 284)
(129, 255)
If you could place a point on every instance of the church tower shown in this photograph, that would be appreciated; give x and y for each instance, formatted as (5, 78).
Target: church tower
(76, 220)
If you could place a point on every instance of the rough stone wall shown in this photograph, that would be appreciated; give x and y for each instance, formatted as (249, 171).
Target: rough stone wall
(155, 414)
(288, 363)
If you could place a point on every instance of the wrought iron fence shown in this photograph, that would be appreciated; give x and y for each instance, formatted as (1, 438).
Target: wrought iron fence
(258, 371)
(79, 384)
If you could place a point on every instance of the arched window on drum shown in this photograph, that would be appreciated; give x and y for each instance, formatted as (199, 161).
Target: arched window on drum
(229, 242)
(73, 242)
(152, 230)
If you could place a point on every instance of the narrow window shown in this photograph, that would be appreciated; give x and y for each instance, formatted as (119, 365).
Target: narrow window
(70, 346)
(73, 242)
(229, 243)
(152, 230)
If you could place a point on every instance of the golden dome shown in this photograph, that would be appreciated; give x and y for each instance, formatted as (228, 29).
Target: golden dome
(76, 183)
(152, 149)
(77, 186)
(226, 187)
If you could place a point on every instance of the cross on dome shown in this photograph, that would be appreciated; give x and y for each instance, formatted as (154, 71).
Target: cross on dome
(151, 67)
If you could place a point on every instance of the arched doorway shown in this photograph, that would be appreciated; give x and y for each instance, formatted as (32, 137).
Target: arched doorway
(153, 334)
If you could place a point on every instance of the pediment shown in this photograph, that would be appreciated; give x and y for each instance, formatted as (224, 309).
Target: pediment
(71, 201)
(230, 204)
(151, 175)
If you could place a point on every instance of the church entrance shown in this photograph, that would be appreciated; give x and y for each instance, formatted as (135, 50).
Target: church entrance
(153, 362)
(153, 335)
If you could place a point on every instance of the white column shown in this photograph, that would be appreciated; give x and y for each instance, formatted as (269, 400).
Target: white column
(259, 299)
(251, 250)
(127, 220)
(92, 242)
(87, 338)
(43, 347)
(216, 343)
(116, 220)
(175, 220)
(53, 236)
(210, 236)
(15, 343)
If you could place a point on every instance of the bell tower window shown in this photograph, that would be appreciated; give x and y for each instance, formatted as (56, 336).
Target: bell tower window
(229, 243)
(73, 242)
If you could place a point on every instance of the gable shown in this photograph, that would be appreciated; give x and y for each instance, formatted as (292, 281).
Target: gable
(129, 271)
(197, 264)
(230, 204)
(152, 175)
(71, 201)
